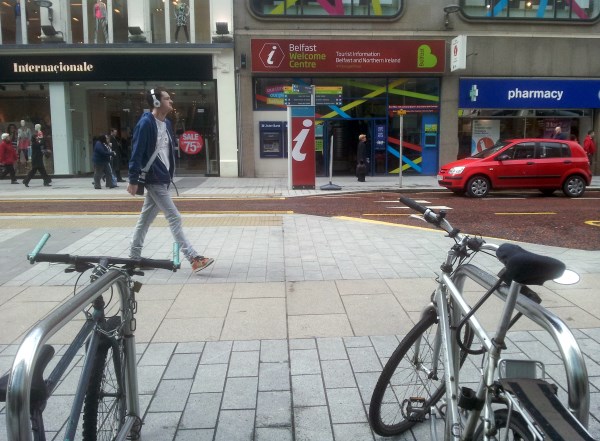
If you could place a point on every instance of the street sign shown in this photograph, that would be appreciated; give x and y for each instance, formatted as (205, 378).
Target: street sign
(328, 95)
(297, 95)
(458, 53)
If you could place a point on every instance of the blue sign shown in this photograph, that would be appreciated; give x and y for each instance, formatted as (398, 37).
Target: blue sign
(505, 93)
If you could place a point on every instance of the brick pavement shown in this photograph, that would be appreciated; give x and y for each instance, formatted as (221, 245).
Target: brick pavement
(284, 337)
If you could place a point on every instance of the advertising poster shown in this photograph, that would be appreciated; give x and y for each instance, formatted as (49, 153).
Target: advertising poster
(485, 134)
(550, 124)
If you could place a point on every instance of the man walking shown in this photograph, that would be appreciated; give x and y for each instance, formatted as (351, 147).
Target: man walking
(115, 145)
(153, 165)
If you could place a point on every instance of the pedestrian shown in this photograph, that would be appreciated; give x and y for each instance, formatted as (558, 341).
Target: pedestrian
(37, 158)
(589, 145)
(8, 158)
(361, 157)
(152, 164)
(101, 158)
(115, 145)
(558, 133)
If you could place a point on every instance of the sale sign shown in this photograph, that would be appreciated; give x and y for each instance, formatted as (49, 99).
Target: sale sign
(348, 56)
(191, 142)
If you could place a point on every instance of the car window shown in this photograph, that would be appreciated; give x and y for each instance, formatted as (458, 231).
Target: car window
(493, 149)
(552, 150)
(524, 150)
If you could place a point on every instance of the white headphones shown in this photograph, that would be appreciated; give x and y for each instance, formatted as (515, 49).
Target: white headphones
(155, 100)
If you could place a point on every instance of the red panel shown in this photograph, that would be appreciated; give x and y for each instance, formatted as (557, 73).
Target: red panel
(348, 56)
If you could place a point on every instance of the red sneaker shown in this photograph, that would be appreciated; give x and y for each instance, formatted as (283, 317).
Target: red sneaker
(201, 262)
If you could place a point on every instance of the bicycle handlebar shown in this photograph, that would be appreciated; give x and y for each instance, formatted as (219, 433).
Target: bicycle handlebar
(437, 219)
(36, 256)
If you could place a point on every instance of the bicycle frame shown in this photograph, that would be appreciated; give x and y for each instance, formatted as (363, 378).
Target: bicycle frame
(18, 395)
(451, 306)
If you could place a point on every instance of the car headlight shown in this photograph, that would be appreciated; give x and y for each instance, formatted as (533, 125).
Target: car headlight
(456, 170)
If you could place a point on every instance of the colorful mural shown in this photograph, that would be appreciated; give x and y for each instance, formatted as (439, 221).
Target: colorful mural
(573, 10)
(370, 100)
(328, 8)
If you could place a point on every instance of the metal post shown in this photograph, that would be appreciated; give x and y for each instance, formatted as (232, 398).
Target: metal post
(400, 147)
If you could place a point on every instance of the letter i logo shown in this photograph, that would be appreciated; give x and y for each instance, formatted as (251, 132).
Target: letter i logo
(270, 57)
(299, 141)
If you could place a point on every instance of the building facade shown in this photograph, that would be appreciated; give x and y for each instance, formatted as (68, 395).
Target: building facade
(519, 69)
(82, 68)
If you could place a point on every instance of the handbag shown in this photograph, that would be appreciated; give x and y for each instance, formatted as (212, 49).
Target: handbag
(142, 177)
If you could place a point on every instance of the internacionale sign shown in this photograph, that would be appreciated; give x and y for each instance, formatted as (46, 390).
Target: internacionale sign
(348, 56)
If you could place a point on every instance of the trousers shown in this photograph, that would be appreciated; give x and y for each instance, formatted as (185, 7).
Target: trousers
(158, 199)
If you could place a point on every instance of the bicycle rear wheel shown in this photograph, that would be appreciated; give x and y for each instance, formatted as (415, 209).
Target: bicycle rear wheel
(517, 428)
(407, 388)
(105, 402)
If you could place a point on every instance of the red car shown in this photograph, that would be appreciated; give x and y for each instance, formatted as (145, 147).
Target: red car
(545, 164)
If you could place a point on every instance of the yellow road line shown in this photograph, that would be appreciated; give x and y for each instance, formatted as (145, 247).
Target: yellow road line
(593, 223)
(525, 214)
(116, 213)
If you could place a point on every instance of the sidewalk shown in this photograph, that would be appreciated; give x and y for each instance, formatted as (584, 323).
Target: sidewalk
(283, 338)
(206, 187)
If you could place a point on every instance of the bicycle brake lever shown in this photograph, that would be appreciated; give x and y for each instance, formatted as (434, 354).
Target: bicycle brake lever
(419, 217)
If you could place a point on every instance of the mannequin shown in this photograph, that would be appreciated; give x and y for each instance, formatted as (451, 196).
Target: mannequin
(101, 23)
(181, 12)
(24, 141)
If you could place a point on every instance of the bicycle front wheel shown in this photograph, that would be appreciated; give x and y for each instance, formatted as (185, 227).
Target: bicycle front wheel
(408, 386)
(105, 402)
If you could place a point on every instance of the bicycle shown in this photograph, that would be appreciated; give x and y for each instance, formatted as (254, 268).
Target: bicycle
(422, 378)
(107, 392)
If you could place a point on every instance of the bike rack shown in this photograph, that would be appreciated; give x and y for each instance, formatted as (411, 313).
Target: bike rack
(18, 422)
(577, 386)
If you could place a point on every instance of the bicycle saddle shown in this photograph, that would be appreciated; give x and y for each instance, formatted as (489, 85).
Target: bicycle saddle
(526, 267)
(39, 391)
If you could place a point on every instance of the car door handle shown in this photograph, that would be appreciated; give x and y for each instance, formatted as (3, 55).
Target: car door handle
(530, 163)
(568, 161)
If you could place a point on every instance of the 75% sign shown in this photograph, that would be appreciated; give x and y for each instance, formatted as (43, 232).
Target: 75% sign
(191, 142)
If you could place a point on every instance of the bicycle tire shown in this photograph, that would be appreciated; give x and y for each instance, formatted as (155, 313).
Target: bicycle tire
(517, 428)
(390, 411)
(105, 402)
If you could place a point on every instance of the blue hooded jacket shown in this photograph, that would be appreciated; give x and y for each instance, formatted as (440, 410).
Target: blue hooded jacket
(144, 143)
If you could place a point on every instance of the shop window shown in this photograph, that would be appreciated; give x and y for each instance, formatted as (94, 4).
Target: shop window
(326, 8)
(187, 17)
(543, 10)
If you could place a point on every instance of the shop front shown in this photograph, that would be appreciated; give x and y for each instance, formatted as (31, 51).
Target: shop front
(503, 108)
(78, 97)
(376, 80)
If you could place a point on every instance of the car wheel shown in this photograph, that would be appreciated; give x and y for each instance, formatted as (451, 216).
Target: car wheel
(478, 187)
(574, 186)
(547, 191)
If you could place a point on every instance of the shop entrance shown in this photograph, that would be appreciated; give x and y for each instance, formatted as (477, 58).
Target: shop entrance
(419, 153)
(344, 135)
(120, 105)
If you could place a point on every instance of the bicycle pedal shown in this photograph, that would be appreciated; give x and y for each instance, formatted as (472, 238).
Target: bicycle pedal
(415, 409)
(137, 286)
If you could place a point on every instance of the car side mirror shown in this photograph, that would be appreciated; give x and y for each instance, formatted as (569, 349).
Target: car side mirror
(503, 157)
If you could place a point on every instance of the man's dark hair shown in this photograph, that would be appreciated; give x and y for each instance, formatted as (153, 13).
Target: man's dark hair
(590, 131)
(157, 93)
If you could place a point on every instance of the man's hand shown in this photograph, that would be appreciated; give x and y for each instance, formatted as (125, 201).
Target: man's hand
(132, 189)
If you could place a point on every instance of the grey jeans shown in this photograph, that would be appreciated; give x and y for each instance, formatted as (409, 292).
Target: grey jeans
(158, 199)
